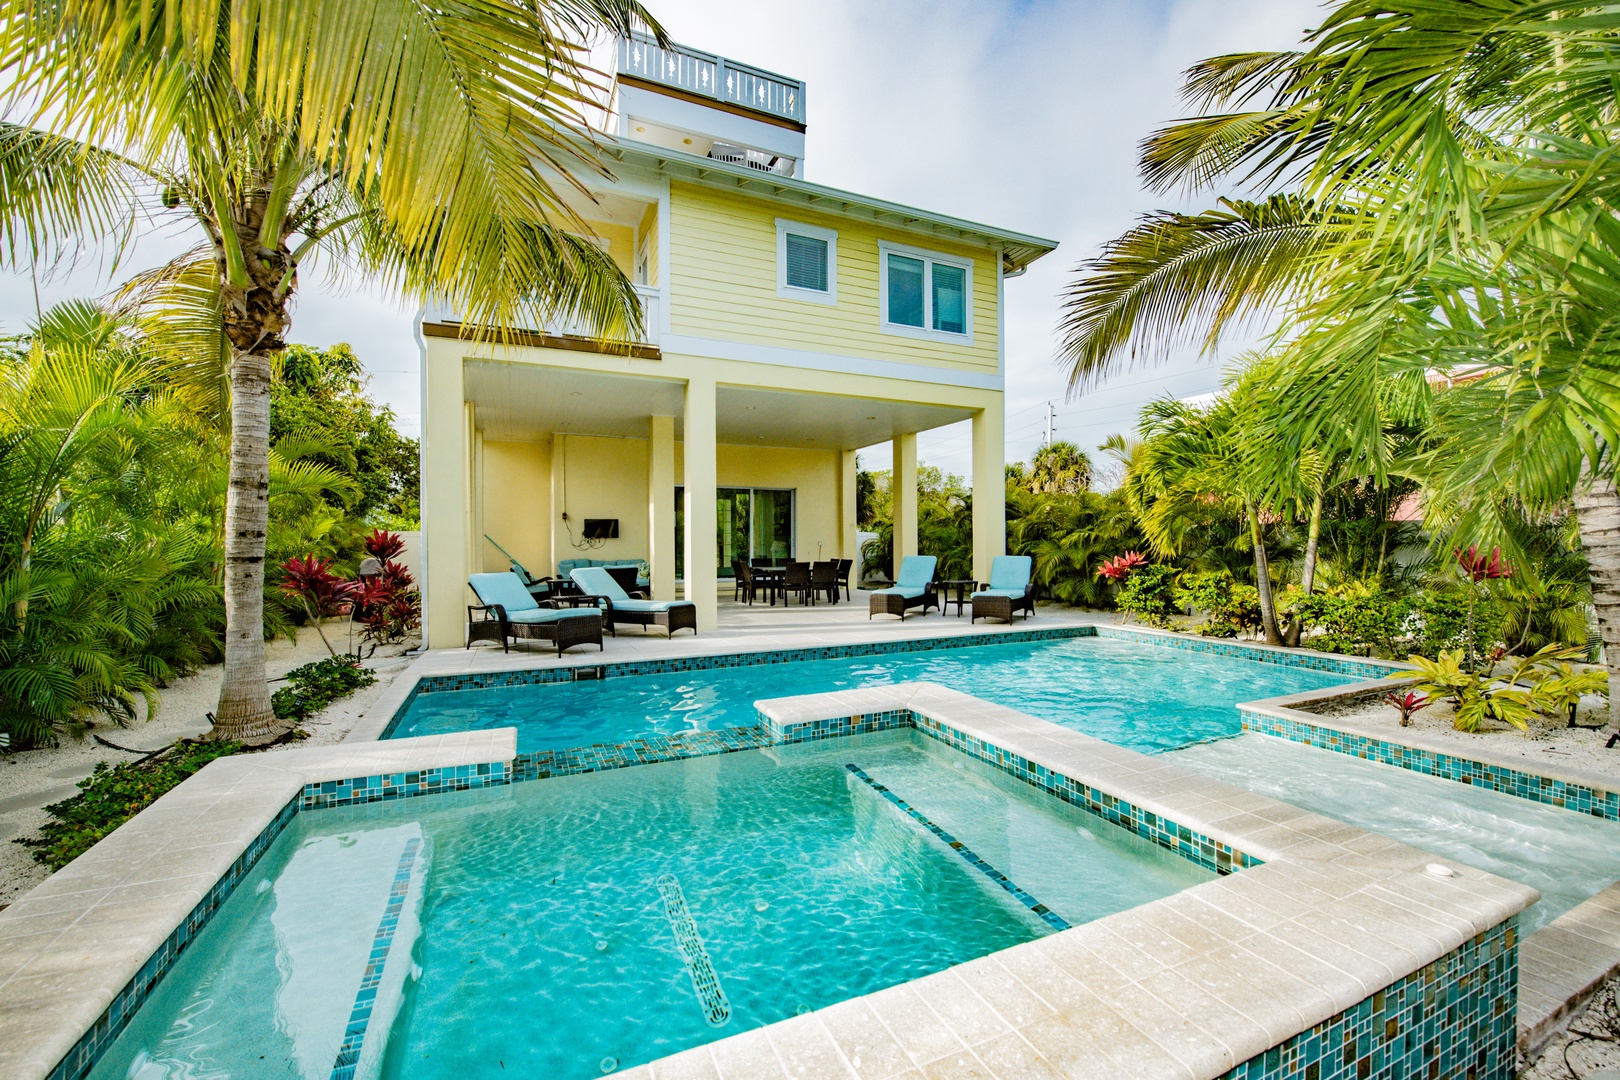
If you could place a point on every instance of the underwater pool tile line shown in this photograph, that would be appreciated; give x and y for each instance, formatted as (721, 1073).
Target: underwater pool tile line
(968, 855)
(1589, 795)
(354, 1033)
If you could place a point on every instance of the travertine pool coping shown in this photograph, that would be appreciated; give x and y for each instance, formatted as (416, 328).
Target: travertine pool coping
(1189, 986)
(70, 946)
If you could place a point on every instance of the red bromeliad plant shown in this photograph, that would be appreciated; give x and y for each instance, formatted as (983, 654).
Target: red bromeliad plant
(321, 592)
(1119, 567)
(1408, 703)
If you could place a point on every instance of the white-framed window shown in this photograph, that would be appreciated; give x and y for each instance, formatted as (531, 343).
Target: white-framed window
(925, 294)
(806, 262)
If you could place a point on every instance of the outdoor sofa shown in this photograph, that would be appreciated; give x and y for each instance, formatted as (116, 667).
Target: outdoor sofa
(913, 587)
(506, 611)
(1011, 588)
(618, 607)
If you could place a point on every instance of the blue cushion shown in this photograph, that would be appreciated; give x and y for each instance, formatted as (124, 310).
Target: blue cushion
(596, 581)
(648, 605)
(910, 592)
(550, 615)
(916, 571)
(1010, 572)
(503, 589)
(1011, 594)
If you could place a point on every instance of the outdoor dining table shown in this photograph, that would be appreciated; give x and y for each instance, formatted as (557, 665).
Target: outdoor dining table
(770, 578)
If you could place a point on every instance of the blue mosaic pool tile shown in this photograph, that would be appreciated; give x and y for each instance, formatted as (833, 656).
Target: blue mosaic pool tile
(1456, 1018)
(111, 1023)
(1580, 798)
(839, 726)
(1048, 916)
(402, 785)
(1355, 666)
(648, 750)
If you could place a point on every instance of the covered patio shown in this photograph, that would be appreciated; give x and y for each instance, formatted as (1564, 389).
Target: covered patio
(556, 456)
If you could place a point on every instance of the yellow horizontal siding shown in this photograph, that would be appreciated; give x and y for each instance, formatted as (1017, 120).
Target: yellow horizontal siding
(722, 277)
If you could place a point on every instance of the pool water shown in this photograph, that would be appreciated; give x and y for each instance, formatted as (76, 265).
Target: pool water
(1146, 697)
(566, 927)
(1568, 856)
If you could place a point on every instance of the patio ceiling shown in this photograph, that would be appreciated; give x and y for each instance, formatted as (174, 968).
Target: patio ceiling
(527, 403)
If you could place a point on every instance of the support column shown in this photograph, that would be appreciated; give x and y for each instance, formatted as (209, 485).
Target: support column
(848, 507)
(702, 551)
(989, 489)
(661, 506)
(446, 502)
(903, 485)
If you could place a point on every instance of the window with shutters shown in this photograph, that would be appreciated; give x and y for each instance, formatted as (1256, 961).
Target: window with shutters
(925, 294)
(806, 262)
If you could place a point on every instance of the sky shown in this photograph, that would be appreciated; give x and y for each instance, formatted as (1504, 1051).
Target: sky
(1022, 115)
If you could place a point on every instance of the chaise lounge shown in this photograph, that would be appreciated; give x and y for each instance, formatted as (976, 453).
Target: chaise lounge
(618, 607)
(507, 611)
(1011, 589)
(913, 587)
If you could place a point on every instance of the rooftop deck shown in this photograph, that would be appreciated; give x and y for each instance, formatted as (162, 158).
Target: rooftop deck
(693, 71)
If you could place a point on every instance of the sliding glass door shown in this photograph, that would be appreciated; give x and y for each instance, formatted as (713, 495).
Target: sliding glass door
(750, 523)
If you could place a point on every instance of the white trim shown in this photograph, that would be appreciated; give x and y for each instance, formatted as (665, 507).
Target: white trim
(721, 349)
(926, 331)
(816, 232)
(1001, 314)
(665, 270)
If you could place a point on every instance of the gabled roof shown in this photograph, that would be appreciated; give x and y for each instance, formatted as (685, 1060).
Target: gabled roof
(1018, 250)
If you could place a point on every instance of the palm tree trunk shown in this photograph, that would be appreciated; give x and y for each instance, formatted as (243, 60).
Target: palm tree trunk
(1597, 512)
(255, 319)
(1307, 577)
(1262, 576)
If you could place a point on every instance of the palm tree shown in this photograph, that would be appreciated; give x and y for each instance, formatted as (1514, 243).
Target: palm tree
(1059, 468)
(434, 148)
(1465, 152)
(1192, 464)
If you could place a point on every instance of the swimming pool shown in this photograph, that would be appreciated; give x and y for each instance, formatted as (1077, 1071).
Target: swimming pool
(1143, 696)
(1568, 856)
(582, 924)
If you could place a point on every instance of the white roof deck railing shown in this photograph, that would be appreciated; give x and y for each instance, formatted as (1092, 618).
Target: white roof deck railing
(711, 76)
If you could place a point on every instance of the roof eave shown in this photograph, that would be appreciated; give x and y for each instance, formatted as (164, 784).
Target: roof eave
(1018, 250)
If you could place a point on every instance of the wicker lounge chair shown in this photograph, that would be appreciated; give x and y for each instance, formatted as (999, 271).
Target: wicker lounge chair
(1011, 589)
(618, 607)
(913, 587)
(507, 611)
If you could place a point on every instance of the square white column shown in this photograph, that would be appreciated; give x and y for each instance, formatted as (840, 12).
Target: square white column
(701, 470)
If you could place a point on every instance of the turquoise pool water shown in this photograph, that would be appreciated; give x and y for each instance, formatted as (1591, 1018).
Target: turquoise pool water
(1568, 856)
(1145, 697)
(537, 929)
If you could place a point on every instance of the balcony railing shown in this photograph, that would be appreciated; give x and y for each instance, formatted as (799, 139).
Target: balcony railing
(650, 299)
(711, 76)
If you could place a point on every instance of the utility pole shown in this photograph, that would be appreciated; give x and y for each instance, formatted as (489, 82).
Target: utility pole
(1051, 410)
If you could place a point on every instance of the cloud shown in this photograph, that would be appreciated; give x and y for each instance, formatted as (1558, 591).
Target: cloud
(1020, 115)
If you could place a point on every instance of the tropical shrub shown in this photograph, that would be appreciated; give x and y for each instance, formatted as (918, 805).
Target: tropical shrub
(314, 686)
(111, 796)
(1230, 607)
(1437, 620)
(1355, 618)
(320, 593)
(1475, 697)
(388, 603)
(1150, 595)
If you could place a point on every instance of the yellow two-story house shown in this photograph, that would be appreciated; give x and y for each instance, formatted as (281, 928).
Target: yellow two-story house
(788, 325)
